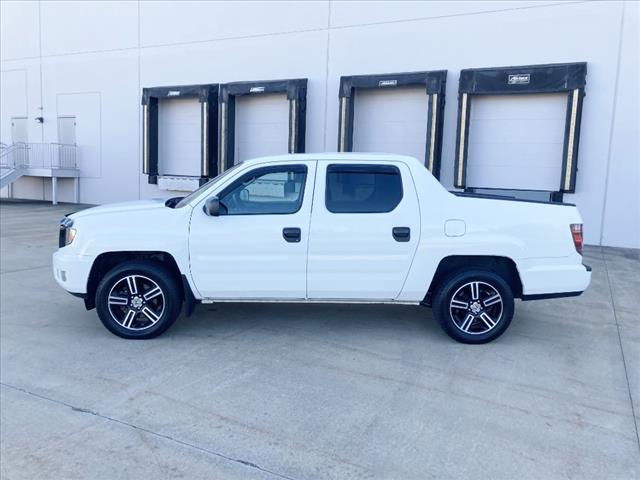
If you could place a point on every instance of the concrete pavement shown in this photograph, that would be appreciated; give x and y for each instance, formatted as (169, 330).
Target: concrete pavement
(305, 392)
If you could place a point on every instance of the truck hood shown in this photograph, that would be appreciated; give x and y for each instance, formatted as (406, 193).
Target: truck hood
(122, 207)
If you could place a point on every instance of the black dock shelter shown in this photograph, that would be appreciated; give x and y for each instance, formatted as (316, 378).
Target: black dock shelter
(434, 83)
(207, 95)
(528, 79)
(296, 90)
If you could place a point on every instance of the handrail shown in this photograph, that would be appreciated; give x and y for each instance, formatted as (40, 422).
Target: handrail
(7, 149)
(7, 157)
(39, 155)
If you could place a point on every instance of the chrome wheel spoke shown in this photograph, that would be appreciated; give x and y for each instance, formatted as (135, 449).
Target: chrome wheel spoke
(153, 293)
(492, 300)
(128, 320)
(475, 290)
(115, 300)
(487, 320)
(468, 321)
(131, 284)
(459, 304)
(147, 312)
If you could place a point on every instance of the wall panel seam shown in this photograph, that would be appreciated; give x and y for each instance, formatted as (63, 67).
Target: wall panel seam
(612, 125)
(310, 30)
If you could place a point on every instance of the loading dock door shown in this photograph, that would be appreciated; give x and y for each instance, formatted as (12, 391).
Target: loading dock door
(395, 111)
(516, 148)
(261, 125)
(179, 142)
(180, 124)
(261, 106)
(391, 121)
(516, 142)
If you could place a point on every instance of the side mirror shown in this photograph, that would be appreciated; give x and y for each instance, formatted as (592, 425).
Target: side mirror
(212, 206)
(172, 202)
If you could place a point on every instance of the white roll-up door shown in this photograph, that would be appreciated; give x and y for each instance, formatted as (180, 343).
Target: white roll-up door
(262, 125)
(391, 121)
(179, 136)
(515, 141)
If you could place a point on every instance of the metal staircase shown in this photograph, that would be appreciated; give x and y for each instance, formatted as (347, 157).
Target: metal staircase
(9, 175)
(49, 160)
(10, 165)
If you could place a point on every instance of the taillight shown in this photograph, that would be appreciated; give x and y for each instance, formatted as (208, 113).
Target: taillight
(576, 233)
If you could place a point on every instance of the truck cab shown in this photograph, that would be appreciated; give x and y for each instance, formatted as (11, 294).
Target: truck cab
(354, 228)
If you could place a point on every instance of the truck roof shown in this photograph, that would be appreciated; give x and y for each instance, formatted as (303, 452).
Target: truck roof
(334, 156)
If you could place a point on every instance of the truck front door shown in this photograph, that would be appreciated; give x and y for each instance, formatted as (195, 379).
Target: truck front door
(257, 246)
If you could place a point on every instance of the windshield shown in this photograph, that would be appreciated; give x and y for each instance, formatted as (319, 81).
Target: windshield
(210, 183)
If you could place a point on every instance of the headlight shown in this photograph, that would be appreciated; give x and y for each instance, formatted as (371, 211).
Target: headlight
(67, 233)
(71, 234)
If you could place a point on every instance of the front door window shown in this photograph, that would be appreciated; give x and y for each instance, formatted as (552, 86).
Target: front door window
(265, 191)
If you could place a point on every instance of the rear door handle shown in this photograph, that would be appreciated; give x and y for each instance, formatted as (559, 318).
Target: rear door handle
(401, 234)
(291, 235)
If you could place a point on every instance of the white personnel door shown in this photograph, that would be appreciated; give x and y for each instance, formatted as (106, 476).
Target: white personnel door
(365, 228)
(20, 134)
(257, 246)
(67, 130)
(19, 130)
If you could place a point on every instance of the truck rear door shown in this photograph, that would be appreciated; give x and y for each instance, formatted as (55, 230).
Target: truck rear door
(365, 227)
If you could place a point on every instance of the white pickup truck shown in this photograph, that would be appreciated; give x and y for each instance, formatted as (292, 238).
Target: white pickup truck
(351, 228)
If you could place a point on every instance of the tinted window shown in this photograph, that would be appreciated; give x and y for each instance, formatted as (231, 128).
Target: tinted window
(206, 186)
(265, 191)
(363, 188)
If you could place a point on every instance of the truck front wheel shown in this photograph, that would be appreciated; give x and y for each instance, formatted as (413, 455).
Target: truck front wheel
(474, 306)
(138, 300)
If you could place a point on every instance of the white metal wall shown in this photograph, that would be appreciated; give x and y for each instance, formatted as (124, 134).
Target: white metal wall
(109, 51)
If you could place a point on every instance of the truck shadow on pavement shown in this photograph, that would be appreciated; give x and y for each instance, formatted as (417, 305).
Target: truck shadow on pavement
(312, 319)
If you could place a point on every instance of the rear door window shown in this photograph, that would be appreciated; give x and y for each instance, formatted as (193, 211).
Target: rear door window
(362, 188)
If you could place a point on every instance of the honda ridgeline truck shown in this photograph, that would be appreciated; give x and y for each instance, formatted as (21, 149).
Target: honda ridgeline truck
(335, 228)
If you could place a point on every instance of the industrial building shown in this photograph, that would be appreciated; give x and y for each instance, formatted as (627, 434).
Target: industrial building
(123, 100)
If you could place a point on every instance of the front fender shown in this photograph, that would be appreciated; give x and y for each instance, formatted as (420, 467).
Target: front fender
(162, 230)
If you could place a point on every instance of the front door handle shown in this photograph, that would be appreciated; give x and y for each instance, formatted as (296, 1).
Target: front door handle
(401, 234)
(291, 235)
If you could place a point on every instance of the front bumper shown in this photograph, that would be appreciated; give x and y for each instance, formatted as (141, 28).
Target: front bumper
(71, 271)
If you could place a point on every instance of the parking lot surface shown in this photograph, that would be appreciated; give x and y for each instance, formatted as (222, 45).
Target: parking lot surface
(313, 391)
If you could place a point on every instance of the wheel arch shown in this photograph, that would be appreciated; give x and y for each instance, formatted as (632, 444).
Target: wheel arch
(503, 266)
(108, 260)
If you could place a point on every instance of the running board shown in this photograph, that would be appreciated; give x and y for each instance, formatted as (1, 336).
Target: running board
(308, 300)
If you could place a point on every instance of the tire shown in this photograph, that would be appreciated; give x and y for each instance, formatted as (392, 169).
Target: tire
(474, 306)
(138, 300)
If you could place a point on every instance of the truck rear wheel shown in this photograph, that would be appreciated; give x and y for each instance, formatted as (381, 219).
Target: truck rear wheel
(138, 300)
(474, 306)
